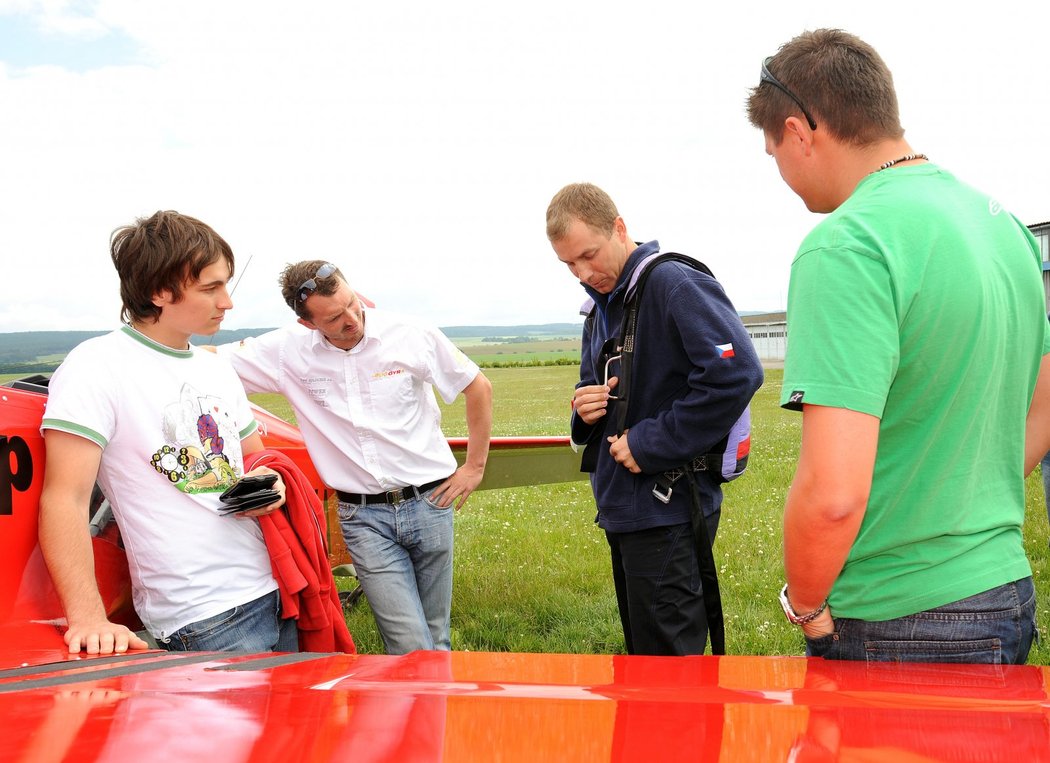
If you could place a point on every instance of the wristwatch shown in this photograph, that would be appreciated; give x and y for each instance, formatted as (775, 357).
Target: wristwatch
(796, 619)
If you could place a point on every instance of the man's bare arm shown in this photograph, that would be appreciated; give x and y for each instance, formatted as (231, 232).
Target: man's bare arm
(826, 504)
(1037, 425)
(462, 483)
(69, 476)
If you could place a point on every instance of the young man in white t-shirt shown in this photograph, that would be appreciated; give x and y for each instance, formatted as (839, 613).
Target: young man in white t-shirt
(164, 428)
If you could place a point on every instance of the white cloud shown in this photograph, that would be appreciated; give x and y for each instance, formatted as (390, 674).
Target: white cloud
(418, 144)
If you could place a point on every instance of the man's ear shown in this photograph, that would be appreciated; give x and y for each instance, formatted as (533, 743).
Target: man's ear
(304, 322)
(798, 132)
(163, 298)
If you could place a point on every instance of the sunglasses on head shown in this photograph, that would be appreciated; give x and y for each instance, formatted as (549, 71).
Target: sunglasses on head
(765, 76)
(309, 286)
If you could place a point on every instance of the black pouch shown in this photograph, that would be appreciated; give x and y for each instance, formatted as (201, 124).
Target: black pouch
(249, 493)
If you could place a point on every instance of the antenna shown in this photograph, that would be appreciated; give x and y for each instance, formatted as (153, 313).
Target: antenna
(243, 271)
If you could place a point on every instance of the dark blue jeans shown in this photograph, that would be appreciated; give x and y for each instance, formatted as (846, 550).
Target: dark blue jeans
(658, 592)
(256, 626)
(995, 627)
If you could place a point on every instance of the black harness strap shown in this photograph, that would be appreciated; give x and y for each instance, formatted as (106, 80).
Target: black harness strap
(704, 553)
(705, 557)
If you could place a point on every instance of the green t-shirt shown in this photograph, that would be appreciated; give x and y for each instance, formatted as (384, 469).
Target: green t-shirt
(920, 301)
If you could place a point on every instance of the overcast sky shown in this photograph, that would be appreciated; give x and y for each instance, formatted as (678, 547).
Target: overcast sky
(417, 144)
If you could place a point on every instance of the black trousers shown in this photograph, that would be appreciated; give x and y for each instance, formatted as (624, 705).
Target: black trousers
(658, 591)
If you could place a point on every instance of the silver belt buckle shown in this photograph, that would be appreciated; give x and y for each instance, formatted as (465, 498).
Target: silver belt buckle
(394, 497)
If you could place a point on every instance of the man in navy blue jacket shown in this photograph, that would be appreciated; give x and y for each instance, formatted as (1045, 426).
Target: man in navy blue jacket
(694, 373)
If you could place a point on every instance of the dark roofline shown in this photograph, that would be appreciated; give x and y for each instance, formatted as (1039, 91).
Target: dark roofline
(777, 317)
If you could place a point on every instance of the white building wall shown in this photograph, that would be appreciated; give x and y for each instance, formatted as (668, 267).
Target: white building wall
(770, 339)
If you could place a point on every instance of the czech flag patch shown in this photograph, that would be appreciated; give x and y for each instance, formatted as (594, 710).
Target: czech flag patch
(725, 350)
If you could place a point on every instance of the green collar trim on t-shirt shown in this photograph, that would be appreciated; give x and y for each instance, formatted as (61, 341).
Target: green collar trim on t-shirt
(138, 336)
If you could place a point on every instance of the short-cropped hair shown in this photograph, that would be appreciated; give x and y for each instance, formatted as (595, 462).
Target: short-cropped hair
(296, 274)
(580, 201)
(841, 80)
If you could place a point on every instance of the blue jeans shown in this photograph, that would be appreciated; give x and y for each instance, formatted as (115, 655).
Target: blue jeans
(253, 627)
(403, 557)
(995, 627)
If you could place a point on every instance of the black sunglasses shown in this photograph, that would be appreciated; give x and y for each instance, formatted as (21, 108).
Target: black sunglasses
(309, 286)
(767, 77)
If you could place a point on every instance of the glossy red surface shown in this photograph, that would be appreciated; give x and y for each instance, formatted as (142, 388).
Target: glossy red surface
(431, 706)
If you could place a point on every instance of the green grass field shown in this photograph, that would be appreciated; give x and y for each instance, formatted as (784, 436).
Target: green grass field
(532, 569)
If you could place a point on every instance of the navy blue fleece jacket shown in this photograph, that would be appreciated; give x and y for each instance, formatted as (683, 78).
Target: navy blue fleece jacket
(687, 389)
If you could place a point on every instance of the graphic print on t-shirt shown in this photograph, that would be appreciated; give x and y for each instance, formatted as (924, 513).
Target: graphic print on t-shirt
(202, 448)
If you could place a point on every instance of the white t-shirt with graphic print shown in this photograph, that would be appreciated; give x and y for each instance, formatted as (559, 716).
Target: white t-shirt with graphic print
(170, 425)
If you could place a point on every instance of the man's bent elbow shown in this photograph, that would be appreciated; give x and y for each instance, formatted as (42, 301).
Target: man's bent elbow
(828, 505)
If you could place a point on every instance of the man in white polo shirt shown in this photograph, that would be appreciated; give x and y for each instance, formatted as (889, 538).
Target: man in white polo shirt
(360, 383)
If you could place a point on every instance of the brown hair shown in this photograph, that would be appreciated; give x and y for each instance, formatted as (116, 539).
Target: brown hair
(296, 274)
(842, 81)
(581, 201)
(163, 252)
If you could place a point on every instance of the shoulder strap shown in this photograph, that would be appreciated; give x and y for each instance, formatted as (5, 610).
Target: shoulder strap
(641, 273)
(632, 299)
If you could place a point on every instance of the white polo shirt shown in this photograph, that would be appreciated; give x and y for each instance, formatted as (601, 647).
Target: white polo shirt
(368, 414)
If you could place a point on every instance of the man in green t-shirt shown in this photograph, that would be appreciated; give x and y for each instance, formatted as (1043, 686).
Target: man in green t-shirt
(917, 332)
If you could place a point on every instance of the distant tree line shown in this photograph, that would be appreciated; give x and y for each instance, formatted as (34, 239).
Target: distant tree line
(542, 330)
(528, 363)
(32, 352)
(23, 351)
(27, 346)
(524, 339)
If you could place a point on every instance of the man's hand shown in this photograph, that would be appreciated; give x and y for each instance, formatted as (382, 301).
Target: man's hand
(591, 402)
(460, 485)
(621, 453)
(823, 625)
(278, 486)
(101, 637)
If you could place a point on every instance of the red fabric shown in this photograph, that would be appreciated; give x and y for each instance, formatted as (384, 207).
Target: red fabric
(295, 539)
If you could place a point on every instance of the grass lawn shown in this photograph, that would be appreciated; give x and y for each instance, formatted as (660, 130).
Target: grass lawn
(532, 569)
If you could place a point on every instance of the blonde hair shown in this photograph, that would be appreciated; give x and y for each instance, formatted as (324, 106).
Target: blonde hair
(580, 201)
